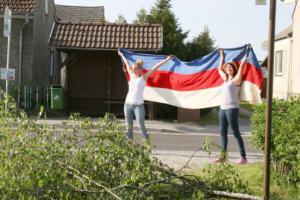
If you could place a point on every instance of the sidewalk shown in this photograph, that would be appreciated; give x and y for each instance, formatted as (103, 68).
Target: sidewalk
(179, 159)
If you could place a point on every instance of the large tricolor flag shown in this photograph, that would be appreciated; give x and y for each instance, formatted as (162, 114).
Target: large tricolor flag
(196, 84)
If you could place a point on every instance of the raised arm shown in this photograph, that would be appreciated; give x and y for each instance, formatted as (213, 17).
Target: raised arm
(238, 77)
(220, 68)
(128, 67)
(150, 72)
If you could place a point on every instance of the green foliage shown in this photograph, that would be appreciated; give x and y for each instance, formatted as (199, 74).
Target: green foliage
(88, 159)
(224, 177)
(121, 20)
(253, 175)
(173, 35)
(285, 143)
(199, 46)
(81, 162)
(141, 16)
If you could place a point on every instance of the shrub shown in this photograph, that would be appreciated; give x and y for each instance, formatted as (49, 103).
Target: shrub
(285, 142)
(81, 162)
(225, 177)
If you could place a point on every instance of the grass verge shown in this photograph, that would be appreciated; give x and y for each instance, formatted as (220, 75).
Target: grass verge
(253, 174)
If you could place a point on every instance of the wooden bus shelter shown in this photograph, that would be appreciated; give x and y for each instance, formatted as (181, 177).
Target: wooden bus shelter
(86, 63)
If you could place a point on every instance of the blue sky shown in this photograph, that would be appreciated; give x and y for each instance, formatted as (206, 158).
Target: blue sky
(231, 23)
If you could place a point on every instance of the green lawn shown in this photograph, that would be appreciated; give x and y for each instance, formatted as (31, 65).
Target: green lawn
(254, 175)
(212, 117)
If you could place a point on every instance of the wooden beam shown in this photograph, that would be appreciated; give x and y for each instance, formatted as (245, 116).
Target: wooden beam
(151, 110)
(108, 64)
(68, 60)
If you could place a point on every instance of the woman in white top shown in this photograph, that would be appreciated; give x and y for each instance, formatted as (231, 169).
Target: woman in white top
(134, 103)
(229, 107)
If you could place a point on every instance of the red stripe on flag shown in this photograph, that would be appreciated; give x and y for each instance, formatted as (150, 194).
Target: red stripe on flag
(202, 80)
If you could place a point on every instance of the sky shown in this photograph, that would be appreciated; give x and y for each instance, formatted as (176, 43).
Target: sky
(231, 23)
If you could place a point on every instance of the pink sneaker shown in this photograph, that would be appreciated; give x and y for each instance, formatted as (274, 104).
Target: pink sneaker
(241, 161)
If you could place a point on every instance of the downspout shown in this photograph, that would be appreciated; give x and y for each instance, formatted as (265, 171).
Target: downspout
(20, 58)
(290, 93)
(52, 51)
(51, 65)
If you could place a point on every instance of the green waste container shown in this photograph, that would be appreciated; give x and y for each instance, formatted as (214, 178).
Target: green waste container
(57, 97)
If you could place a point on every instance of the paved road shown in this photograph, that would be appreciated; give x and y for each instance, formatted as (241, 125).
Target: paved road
(175, 143)
(190, 136)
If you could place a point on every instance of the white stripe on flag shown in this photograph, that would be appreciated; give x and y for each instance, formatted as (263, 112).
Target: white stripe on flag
(204, 98)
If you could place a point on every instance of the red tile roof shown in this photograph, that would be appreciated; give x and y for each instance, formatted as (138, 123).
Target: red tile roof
(106, 36)
(18, 6)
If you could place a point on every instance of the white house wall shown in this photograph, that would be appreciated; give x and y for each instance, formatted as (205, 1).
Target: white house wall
(295, 86)
(280, 82)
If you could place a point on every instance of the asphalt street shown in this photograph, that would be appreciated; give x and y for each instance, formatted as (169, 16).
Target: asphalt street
(177, 144)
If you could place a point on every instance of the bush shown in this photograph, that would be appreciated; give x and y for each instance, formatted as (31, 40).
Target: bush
(225, 177)
(81, 162)
(285, 142)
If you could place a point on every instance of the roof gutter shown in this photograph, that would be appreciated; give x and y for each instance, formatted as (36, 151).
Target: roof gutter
(295, 8)
(290, 91)
(99, 49)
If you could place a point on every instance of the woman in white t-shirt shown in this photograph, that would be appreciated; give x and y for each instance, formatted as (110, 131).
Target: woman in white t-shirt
(134, 103)
(229, 105)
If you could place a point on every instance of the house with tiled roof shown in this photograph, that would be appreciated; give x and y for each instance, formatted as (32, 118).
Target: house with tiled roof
(32, 21)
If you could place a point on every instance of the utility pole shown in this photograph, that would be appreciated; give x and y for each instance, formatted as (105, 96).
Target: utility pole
(268, 126)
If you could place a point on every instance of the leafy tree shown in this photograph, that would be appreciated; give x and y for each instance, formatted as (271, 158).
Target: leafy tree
(141, 16)
(173, 35)
(121, 19)
(199, 46)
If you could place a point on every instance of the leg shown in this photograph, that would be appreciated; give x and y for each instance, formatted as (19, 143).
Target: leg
(128, 112)
(223, 130)
(139, 112)
(233, 118)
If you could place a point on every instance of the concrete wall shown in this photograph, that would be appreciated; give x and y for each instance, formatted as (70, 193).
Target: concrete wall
(295, 85)
(14, 51)
(42, 27)
(281, 81)
(188, 115)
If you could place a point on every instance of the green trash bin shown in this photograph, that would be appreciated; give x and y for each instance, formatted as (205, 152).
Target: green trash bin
(57, 97)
